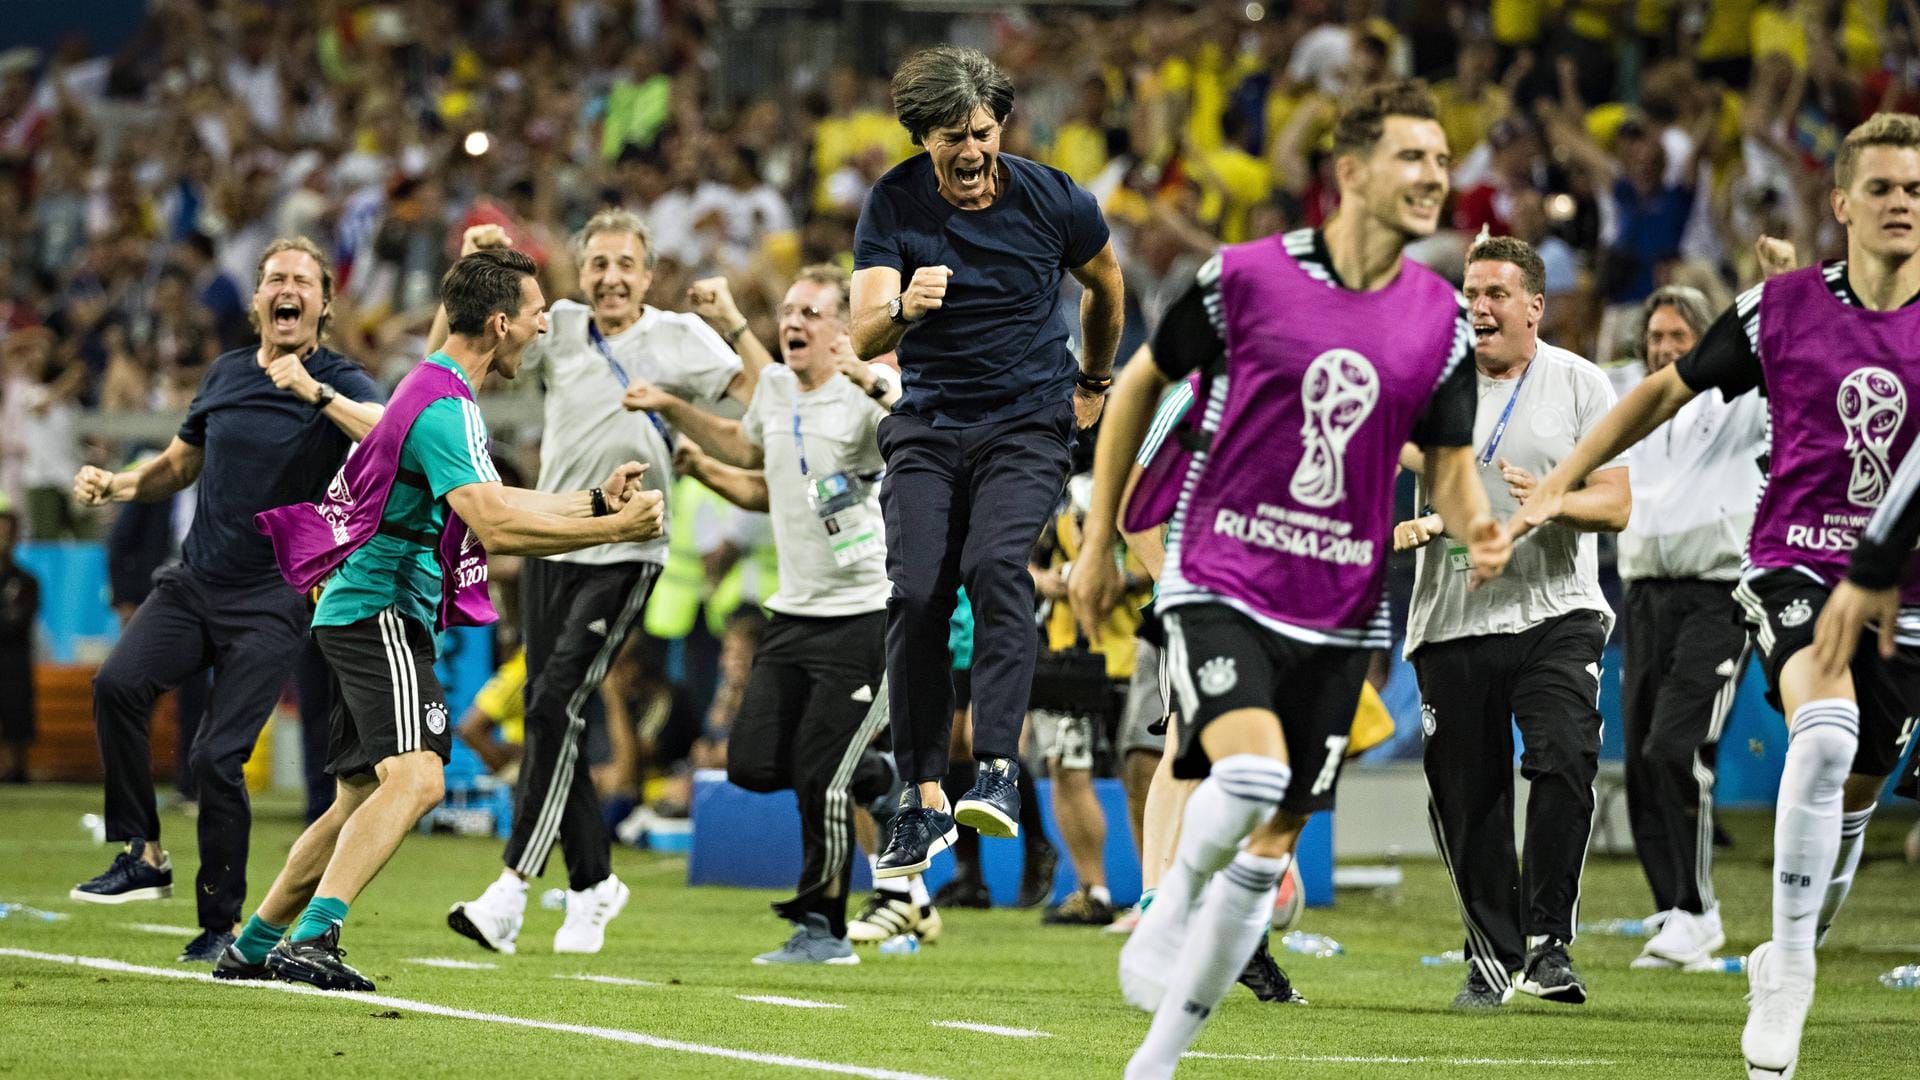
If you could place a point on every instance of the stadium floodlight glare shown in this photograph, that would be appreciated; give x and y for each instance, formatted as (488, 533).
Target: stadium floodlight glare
(477, 143)
(1256, 11)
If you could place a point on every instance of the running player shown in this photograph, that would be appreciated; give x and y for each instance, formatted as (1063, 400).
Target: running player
(1276, 558)
(1832, 347)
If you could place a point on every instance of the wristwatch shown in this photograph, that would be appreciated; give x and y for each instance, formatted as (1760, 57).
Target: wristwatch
(324, 396)
(897, 311)
(879, 388)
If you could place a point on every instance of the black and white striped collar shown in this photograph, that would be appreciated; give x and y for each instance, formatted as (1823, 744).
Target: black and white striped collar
(1834, 273)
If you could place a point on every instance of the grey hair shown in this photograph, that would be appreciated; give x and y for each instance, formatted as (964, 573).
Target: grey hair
(941, 86)
(615, 219)
(1689, 302)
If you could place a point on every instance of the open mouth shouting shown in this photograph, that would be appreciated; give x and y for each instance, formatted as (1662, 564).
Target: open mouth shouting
(970, 176)
(286, 315)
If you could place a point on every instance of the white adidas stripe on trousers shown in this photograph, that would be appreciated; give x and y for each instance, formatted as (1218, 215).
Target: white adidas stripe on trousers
(546, 826)
(838, 805)
(403, 681)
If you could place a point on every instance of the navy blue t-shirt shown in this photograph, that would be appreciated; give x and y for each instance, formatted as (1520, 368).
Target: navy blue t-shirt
(264, 448)
(997, 349)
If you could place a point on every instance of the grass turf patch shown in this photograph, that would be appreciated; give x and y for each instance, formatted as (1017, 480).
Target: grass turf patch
(1376, 1010)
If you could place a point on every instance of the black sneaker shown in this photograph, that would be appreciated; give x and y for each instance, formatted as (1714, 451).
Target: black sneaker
(234, 967)
(992, 806)
(966, 890)
(129, 878)
(207, 948)
(919, 833)
(316, 962)
(1479, 993)
(1549, 975)
(1036, 874)
(1082, 908)
(1263, 976)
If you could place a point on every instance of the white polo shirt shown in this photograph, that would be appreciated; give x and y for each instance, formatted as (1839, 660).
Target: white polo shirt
(588, 433)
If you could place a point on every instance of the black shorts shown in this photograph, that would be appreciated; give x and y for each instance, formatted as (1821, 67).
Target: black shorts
(386, 700)
(1220, 660)
(1782, 607)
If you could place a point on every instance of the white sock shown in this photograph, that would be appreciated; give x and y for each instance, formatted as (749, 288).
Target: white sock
(890, 886)
(1806, 824)
(1100, 893)
(917, 891)
(1240, 792)
(1224, 933)
(1853, 840)
(509, 879)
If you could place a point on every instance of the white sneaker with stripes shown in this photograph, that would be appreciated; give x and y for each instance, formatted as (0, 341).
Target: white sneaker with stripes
(588, 913)
(494, 919)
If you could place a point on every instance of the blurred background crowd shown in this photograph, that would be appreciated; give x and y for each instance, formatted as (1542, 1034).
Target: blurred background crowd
(146, 161)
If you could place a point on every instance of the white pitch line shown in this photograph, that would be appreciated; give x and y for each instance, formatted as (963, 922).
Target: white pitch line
(161, 928)
(994, 1029)
(635, 1038)
(1347, 1059)
(456, 965)
(608, 980)
(791, 1003)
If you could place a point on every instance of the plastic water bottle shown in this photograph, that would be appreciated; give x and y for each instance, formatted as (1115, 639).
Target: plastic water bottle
(1720, 965)
(7, 910)
(901, 945)
(1451, 956)
(94, 827)
(1617, 928)
(1902, 978)
(1307, 944)
(554, 899)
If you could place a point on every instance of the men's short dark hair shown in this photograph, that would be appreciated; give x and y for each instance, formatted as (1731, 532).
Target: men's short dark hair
(481, 284)
(1363, 114)
(1512, 249)
(940, 87)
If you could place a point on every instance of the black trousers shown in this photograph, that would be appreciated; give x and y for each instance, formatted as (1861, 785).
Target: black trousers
(247, 635)
(964, 506)
(313, 686)
(811, 710)
(575, 619)
(1686, 649)
(1547, 680)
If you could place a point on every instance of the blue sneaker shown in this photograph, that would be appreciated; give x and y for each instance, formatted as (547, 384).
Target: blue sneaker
(129, 878)
(812, 943)
(918, 835)
(207, 948)
(992, 807)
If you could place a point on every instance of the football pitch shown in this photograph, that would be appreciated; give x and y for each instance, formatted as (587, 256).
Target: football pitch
(96, 992)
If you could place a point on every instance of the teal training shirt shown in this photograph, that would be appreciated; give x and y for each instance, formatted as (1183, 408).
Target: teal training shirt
(448, 445)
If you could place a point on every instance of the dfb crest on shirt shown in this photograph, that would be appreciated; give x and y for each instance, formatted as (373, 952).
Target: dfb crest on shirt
(1338, 394)
(1217, 676)
(1428, 721)
(436, 717)
(1796, 613)
(1873, 404)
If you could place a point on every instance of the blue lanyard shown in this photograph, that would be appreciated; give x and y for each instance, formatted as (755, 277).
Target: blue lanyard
(799, 446)
(1506, 414)
(620, 374)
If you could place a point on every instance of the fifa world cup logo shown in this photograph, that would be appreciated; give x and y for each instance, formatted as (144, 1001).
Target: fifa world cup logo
(1339, 393)
(1872, 404)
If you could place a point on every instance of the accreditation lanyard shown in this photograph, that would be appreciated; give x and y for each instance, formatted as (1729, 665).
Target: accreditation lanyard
(1506, 414)
(799, 444)
(620, 374)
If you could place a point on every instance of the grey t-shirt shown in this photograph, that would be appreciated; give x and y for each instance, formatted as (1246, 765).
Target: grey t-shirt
(1554, 569)
(837, 425)
(588, 433)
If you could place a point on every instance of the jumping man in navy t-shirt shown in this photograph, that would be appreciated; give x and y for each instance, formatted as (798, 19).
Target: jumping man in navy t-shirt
(269, 426)
(978, 448)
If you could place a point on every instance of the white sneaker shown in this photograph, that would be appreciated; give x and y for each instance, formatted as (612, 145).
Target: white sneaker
(1152, 952)
(588, 913)
(1684, 940)
(494, 919)
(1778, 1011)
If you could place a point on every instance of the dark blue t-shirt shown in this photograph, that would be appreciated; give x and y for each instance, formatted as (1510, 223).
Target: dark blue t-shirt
(264, 448)
(997, 349)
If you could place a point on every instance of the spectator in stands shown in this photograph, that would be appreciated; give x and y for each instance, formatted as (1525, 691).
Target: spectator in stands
(19, 604)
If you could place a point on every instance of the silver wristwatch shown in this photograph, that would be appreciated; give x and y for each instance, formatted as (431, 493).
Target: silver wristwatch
(324, 396)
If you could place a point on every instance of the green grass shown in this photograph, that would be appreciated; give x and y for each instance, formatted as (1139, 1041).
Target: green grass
(993, 967)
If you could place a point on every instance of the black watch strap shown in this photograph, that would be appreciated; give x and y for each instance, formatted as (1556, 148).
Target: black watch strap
(599, 502)
(1090, 384)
